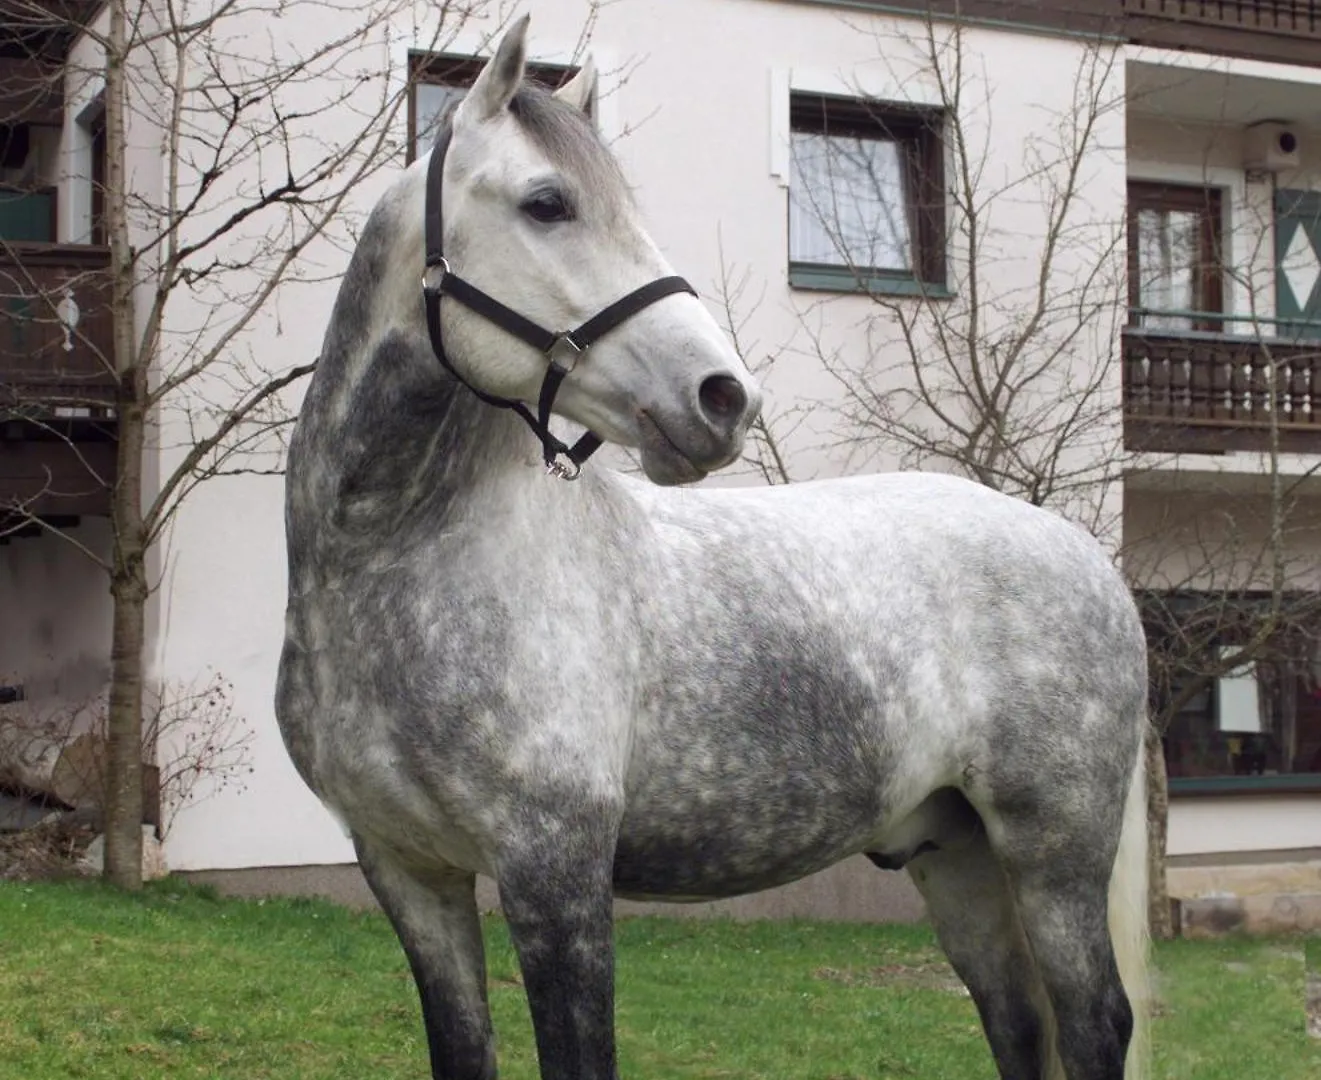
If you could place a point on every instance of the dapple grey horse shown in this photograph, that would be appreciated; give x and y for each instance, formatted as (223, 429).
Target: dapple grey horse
(614, 687)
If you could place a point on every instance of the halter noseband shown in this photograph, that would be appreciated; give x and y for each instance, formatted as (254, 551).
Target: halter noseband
(562, 350)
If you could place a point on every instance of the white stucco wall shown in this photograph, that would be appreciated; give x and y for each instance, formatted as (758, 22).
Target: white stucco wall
(55, 617)
(1209, 826)
(702, 132)
(1216, 541)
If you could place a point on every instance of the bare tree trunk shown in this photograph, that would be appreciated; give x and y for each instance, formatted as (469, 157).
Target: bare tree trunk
(128, 576)
(123, 805)
(161, 69)
(1158, 811)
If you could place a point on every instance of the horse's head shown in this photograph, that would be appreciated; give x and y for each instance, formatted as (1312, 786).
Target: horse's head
(537, 214)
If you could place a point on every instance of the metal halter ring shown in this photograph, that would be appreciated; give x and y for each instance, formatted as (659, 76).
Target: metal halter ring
(443, 266)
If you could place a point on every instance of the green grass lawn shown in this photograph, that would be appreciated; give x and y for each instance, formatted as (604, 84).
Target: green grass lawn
(177, 983)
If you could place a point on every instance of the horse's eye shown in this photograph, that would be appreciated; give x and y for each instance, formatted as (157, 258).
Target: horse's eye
(547, 206)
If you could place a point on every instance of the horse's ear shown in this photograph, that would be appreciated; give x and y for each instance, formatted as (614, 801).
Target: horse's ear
(578, 90)
(500, 78)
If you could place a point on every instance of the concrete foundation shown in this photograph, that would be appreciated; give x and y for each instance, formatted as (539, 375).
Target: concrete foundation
(1276, 892)
(852, 891)
(1265, 893)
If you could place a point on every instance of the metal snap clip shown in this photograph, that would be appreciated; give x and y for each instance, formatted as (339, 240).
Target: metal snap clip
(568, 472)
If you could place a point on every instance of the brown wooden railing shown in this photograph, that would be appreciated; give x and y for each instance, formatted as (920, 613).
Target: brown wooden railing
(55, 328)
(1263, 16)
(1284, 30)
(1287, 31)
(1204, 393)
(57, 426)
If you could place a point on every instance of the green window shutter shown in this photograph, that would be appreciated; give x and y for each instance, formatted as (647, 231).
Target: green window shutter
(1298, 263)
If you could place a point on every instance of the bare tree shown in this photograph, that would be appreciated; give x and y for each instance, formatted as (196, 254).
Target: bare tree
(1006, 373)
(54, 754)
(236, 134)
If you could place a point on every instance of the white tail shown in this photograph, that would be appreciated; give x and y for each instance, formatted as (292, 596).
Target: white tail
(1128, 919)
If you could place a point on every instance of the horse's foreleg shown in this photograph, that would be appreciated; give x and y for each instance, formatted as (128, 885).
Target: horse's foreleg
(556, 893)
(970, 905)
(436, 919)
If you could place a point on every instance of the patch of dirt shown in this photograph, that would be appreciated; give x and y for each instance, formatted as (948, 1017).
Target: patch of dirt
(932, 975)
(52, 849)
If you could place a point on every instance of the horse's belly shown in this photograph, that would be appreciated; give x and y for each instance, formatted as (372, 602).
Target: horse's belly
(707, 870)
(741, 839)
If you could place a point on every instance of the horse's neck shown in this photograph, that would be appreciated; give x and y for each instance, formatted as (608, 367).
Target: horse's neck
(403, 462)
(401, 433)
(386, 437)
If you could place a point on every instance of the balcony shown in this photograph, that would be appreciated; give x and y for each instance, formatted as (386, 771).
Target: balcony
(57, 389)
(1203, 393)
(1286, 31)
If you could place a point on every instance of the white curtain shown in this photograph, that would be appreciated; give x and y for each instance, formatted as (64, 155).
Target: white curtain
(431, 103)
(848, 203)
(1168, 254)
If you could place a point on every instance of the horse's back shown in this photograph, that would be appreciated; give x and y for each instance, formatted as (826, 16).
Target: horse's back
(902, 548)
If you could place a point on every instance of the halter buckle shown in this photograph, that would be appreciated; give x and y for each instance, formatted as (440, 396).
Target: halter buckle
(565, 351)
(568, 472)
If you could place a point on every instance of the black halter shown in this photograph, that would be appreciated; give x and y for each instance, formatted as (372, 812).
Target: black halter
(562, 350)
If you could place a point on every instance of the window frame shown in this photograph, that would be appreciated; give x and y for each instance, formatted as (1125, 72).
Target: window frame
(460, 70)
(1171, 613)
(1208, 202)
(918, 131)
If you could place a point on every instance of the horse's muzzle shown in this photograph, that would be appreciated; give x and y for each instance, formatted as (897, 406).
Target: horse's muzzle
(684, 449)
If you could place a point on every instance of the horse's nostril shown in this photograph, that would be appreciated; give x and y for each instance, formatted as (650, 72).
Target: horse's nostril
(723, 398)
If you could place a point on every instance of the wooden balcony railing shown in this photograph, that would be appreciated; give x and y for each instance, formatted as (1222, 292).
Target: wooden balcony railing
(1287, 31)
(1282, 30)
(55, 328)
(1207, 393)
(1301, 17)
(57, 392)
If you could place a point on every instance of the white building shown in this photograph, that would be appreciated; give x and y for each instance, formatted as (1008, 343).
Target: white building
(1181, 155)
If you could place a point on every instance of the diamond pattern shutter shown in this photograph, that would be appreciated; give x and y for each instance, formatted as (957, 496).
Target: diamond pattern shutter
(1298, 263)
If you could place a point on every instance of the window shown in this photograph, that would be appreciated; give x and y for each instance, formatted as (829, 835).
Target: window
(27, 188)
(440, 81)
(1174, 256)
(866, 196)
(1237, 721)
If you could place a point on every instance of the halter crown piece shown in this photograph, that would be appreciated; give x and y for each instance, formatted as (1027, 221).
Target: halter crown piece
(562, 350)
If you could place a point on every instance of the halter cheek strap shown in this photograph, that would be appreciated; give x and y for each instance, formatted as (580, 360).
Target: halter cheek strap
(562, 350)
